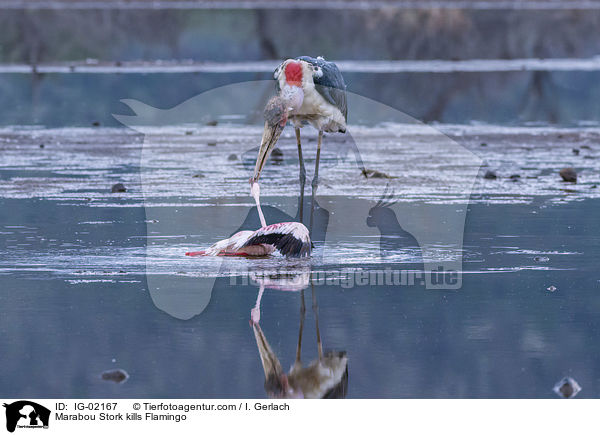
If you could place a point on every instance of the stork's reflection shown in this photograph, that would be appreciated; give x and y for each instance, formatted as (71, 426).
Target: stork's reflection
(324, 378)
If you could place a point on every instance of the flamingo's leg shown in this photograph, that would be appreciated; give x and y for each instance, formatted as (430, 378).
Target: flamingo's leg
(316, 311)
(302, 313)
(302, 173)
(315, 181)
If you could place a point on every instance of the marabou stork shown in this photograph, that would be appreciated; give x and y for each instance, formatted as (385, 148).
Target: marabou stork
(309, 90)
(289, 238)
(324, 378)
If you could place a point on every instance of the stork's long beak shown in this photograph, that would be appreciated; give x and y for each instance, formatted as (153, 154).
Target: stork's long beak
(270, 362)
(270, 137)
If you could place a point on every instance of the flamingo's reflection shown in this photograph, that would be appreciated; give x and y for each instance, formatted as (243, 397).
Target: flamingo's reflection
(324, 378)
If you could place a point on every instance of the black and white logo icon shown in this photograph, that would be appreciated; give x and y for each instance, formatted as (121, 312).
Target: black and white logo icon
(26, 414)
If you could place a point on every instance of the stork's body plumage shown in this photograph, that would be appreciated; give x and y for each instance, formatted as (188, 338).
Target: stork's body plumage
(310, 90)
(324, 378)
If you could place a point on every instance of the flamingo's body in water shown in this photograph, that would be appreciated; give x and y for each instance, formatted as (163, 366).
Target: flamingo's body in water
(289, 238)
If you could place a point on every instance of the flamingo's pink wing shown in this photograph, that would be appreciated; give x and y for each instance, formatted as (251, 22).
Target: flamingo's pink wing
(222, 254)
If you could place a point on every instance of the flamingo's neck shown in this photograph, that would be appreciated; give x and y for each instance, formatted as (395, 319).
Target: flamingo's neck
(255, 190)
(255, 312)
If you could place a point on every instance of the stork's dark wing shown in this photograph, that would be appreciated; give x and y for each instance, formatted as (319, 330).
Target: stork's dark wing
(276, 75)
(289, 238)
(330, 84)
(340, 389)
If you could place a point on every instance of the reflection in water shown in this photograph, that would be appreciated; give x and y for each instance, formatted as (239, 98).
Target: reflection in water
(62, 291)
(324, 378)
(567, 388)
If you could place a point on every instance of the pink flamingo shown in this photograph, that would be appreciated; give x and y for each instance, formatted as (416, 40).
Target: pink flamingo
(291, 239)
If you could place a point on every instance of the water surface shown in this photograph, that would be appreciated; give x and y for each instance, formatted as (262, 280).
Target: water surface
(78, 263)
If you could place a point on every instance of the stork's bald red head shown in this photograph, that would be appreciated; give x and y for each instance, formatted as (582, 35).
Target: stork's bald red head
(293, 74)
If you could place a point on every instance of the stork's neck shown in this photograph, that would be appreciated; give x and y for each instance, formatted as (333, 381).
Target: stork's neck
(293, 96)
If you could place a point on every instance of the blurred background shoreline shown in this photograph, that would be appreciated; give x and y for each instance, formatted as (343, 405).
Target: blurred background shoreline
(68, 63)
